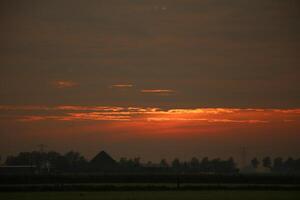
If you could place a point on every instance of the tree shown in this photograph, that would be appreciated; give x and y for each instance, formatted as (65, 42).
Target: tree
(163, 163)
(267, 162)
(149, 164)
(215, 165)
(128, 163)
(137, 162)
(278, 164)
(74, 160)
(205, 164)
(176, 163)
(195, 163)
(230, 165)
(289, 164)
(255, 163)
(49, 160)
(123, 161)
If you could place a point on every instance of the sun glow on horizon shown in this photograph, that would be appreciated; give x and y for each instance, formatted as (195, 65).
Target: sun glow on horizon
(151, 114)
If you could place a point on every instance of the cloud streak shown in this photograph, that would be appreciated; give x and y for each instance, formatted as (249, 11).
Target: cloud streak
(61, 84)
(158, 91)
(149, 114)
(122, 86)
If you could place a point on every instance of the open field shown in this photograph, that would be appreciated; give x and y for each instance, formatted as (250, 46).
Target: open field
(157, 195)
(143, 187)
(148, 182)
(290, 179)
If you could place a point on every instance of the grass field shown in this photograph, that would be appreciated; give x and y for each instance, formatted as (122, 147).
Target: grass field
(157, 195)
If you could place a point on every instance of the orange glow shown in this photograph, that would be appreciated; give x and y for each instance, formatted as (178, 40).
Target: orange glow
(123, 123)
(60, 84)
(149, 114)
(122, 86)
(158, 91)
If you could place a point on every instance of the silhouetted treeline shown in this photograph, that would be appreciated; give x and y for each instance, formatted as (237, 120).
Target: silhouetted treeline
(51, 162)
(278, 164)
(54, 162)
(176, 166)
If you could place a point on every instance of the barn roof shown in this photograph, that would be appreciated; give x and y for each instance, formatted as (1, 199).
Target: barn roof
(103, 159)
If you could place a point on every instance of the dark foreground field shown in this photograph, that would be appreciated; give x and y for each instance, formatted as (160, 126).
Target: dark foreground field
(157, 195)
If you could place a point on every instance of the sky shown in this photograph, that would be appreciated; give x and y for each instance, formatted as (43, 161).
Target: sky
(151, 78)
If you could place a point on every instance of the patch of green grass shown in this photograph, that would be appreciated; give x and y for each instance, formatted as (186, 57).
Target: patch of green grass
(156, 195)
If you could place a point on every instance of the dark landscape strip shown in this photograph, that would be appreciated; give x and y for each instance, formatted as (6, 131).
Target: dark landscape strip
(62, 187)
(151, 178)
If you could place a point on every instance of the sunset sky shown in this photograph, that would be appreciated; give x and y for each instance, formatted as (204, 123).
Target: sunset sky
(151, 78)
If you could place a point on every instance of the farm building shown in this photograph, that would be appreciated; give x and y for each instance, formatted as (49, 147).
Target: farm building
(103, 162)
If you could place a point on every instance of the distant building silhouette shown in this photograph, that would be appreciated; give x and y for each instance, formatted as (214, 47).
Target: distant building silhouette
(103, 162)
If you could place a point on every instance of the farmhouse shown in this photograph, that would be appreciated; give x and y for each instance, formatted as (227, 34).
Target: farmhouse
(103, 162)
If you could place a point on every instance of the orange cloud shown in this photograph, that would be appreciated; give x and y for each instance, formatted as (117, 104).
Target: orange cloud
(150, 114)
(122, 86)
(64, 84)
(158, 91)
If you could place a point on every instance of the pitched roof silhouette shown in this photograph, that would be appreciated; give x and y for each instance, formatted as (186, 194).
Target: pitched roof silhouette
(103, 160)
